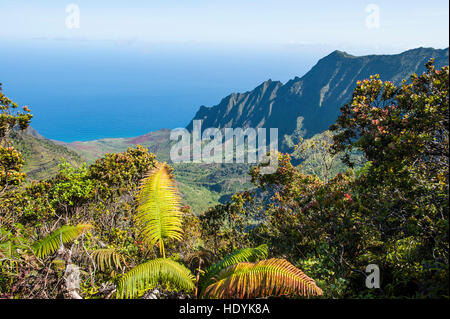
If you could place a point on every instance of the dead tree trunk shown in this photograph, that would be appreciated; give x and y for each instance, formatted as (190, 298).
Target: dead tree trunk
(71, 274)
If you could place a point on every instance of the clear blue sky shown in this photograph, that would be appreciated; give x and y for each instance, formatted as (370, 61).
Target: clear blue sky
(162, 57)
(404, 24)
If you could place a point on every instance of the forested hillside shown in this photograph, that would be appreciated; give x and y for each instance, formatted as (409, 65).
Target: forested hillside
(373, 190)
(43, 156)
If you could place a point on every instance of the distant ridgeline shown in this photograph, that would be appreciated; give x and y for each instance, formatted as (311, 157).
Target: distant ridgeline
(317, 96)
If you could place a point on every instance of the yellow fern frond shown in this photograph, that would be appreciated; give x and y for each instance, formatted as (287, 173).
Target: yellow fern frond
(237, 256)
(271, 277)
(152, 273)
(158, 214)
(108, 258)
(49, 244)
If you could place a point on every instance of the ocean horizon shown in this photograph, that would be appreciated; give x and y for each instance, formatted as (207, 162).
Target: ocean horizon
(81, 90)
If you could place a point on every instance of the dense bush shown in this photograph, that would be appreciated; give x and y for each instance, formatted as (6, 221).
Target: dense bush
(115, 221)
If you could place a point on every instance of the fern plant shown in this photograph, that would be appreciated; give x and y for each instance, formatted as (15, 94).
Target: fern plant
(245, 273)
(108, 258)
(152, 273)
(241, 274)
(159, 218)
(271, 277)
(10, 258)
(240, 255)
(158, 214)
(49, 244)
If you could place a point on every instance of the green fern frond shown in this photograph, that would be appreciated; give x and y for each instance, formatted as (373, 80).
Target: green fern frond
(49, 244)
(152, 273)
(108, 258)
(10, 244)
(158, 214)
(240, 255)
(271, 277)
(7, 249)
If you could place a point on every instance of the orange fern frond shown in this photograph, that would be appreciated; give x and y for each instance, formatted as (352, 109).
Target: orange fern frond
(271, 277)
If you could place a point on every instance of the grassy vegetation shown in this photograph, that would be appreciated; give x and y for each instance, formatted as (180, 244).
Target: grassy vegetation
(201, 185)
(157, 142)
(206, 185)
(43, 156)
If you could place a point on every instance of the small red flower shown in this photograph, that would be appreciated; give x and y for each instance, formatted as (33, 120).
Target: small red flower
(348, 197)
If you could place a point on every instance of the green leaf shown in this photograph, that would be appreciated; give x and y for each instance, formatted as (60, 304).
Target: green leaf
(152, 273)
(158, 214)
(48, 245)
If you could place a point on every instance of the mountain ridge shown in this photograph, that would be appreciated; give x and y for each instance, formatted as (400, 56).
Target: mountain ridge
(316, 96)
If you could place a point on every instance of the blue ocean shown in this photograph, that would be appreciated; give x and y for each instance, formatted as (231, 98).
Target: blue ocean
(84, 90)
